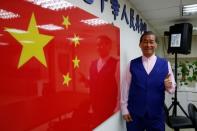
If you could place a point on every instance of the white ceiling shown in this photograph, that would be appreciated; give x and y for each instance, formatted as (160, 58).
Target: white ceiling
(161, 14)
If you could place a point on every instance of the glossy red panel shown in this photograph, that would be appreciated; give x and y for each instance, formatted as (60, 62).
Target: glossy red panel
(49, 67)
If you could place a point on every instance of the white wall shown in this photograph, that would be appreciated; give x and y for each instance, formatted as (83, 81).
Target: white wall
(129, 41)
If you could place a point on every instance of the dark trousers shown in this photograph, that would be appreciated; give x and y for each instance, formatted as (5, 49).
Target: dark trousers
(146, 123)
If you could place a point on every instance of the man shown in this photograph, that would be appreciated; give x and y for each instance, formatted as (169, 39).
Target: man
(103, 84)
(143, 88)
(103, 81)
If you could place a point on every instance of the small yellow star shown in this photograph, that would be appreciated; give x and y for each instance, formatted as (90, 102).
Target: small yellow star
(67, 79)
(75, 40)
(76, 62)
(66, 21)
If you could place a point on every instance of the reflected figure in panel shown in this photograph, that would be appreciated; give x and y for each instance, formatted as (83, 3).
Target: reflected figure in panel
(103, 81)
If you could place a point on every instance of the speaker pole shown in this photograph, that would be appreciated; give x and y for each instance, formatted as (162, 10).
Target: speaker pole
(175, 102)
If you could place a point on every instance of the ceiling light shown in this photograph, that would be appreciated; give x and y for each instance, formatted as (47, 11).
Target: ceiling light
(94, 22)
(16, 31)
(7, 14)
(75, 38)
(50, 27)
(195, 28)
(3, 44)
(189, 9)
(27, 41)
(52, 4)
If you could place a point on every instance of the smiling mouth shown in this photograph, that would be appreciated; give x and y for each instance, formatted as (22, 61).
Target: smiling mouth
(147, 49)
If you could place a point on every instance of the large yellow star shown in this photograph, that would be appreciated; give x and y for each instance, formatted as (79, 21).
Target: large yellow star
(76, 62)
(66, 21)
(32, 43)
(75, 40)
(67, 79)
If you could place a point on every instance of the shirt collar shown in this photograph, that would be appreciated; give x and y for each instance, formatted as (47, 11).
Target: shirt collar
(103, 60)
(153, 57)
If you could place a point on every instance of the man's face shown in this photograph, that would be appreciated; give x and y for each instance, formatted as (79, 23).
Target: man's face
(148, 45)
(103, 49)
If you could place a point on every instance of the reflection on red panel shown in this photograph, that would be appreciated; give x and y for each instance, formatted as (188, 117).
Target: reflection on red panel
(59, 67)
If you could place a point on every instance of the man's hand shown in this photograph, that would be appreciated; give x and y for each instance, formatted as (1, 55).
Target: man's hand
(168, 82)
(127, 118)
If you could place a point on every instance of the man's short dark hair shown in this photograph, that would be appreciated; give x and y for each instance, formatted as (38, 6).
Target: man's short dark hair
(148, 33)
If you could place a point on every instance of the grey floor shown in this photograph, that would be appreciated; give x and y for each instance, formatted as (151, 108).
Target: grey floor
(169, 129)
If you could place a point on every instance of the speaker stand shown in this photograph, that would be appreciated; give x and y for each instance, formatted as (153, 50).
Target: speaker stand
(175, 102)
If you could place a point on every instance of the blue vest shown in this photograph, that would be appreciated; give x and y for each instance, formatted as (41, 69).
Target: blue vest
(147, 91)
(103, 85)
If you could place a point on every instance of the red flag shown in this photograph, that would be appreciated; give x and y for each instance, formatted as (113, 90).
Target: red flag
(50, 54)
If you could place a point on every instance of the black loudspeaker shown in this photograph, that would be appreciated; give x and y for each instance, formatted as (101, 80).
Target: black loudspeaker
(180, 37)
